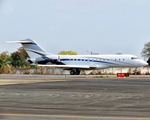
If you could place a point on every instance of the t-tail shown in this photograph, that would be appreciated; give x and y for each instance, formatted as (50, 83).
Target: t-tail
(32, 48)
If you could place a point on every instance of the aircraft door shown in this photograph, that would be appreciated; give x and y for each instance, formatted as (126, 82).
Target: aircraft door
(58, 59)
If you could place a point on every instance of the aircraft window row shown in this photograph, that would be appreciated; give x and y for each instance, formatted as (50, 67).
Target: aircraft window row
(118, 59)
(95, 60)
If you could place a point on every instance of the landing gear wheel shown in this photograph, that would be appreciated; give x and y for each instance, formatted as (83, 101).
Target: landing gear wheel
(77, 72)
(72, 72)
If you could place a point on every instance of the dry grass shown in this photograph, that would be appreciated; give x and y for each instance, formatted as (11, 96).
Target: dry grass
(8, 70)
(99, 72)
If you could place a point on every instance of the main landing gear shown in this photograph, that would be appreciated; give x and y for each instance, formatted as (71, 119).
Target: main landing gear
(74, 72)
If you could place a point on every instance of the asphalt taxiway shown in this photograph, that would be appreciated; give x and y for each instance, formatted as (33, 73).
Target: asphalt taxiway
(73, 98)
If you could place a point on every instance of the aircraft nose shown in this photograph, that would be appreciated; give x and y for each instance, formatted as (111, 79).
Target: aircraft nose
(143, 63)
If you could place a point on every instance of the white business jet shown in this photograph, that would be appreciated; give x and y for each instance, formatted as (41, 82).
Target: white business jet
(76, 63)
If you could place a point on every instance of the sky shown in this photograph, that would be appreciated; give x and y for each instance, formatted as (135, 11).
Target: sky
(98, 26)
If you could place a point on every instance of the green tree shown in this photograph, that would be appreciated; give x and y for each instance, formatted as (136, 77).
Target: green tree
(23, 53)
(1, 63)
(67, 53)
(5, 57)
(18, 58)
(146, 50)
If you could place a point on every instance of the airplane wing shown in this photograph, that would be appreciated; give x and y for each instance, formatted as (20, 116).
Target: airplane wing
(69, 66)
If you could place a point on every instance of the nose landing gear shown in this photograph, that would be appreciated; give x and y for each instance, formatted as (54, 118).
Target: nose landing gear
(74, 72)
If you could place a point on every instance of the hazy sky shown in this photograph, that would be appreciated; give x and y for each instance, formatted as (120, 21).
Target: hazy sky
(100, 26)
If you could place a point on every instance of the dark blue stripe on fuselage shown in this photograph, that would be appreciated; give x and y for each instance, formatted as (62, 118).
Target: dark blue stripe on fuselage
(30, 43)
(64, 59)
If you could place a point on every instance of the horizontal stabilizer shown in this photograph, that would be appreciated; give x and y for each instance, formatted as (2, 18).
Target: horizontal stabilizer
(18, 42)
(66, 66)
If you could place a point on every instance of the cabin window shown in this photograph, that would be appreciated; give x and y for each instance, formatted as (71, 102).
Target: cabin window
(123, 59)
(119, 59)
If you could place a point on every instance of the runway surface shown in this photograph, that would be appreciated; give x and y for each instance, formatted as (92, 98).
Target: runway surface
(73, 98)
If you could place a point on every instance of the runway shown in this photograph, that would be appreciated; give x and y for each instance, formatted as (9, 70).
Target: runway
(73, 98)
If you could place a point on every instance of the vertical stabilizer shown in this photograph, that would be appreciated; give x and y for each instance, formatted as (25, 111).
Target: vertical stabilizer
(32, 48)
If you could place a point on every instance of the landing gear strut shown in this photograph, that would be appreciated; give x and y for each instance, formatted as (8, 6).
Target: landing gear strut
(74, 72)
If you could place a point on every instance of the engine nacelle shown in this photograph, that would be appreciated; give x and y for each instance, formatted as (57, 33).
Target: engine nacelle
(45, 60)
(31, 61)
(39, 60)
(42, 60)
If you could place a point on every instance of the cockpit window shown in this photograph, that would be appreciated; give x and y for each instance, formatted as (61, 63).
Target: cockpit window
(134, 58)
